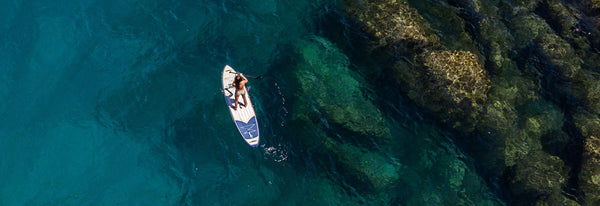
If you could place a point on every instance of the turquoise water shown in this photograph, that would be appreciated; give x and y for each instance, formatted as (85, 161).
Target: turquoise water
(119, 102)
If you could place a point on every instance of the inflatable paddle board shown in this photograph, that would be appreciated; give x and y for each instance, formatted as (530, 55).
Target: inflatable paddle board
(244, 116)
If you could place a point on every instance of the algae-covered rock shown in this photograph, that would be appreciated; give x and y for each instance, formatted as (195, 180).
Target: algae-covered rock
(499, 40)
(392, 21)
(453, 77)
(453, 83)
(589, 177)
(442, 175)
(527, 28)
(519, 132)
(541, 117)
(588, 123)
(565, 45)
(541, 176)
(323, 76)
(557, 200)
(560, 54)
(532, 28)
(456, 79)
(596, 4)
(588, 89)
(440, 14)
(373, 171)
(523, 6)
(593, 94)
(368, 168)
(569, 23)
(458, 74)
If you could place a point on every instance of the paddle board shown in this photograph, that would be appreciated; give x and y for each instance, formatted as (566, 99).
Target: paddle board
(244, 116)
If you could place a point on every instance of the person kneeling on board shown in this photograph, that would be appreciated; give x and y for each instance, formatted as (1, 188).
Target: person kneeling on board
(239, 82)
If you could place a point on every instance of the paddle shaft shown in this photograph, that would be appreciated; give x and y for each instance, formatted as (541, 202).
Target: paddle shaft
(248, 75)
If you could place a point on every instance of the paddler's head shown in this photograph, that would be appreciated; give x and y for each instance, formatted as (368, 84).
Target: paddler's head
(238, 78)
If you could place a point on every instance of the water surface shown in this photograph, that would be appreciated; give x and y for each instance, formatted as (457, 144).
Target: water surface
(119, 102)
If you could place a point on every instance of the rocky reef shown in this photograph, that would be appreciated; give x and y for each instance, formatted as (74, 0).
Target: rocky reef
(517, 84)
(334, 120)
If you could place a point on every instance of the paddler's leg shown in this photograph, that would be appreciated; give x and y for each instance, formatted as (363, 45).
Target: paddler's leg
(236, 101)
(245, 102)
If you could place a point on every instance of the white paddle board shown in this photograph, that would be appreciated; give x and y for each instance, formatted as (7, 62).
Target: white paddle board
(244, 116)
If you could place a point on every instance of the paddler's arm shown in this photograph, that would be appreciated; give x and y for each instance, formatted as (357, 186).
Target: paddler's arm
(243, 81)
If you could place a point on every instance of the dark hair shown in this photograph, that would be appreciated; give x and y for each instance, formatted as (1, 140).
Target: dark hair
(237, 80)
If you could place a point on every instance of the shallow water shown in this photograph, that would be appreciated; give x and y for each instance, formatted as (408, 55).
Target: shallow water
(118, 102)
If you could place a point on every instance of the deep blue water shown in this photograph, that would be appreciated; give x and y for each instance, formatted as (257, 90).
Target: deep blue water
(119, 102)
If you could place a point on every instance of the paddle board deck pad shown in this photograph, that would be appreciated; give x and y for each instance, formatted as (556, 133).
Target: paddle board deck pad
(244, 116)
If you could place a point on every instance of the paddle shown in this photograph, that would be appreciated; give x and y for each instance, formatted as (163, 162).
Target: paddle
(258, 77)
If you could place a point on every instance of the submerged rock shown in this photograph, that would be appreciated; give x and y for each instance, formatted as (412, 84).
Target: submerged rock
(542, 175)
(589, 177)
(330, 97)
(392, 21)
(590, 172)
(457, 76)
(323, 76)
(452, 83)
(591, 90)
(377, 171)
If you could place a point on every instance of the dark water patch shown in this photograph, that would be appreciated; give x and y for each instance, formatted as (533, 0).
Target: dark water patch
(543, 10)
(572, 154)
(472, 19)
(536, 66)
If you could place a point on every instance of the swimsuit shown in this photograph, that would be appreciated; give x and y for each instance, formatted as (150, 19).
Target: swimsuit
(240, 93)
